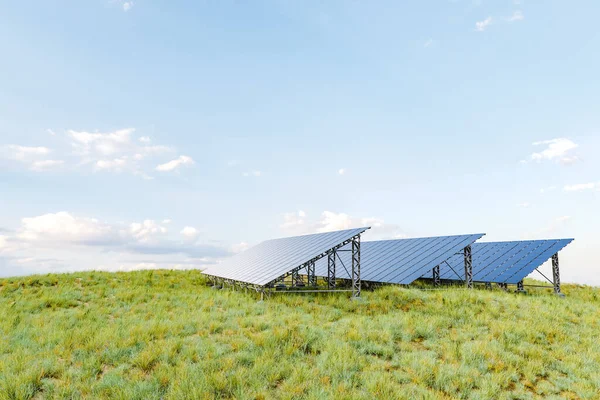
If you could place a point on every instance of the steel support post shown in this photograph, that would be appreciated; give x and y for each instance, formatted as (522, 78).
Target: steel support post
(312, 279)
(331, 269)
(556, 273)
(488, 285)
(468, 267)
(356, 267)
(520, 287)
(436, 275)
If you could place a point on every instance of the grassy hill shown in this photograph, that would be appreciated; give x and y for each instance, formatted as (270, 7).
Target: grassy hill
(166, 334)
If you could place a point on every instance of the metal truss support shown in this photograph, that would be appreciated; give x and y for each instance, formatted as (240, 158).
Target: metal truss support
(310, 269)
(503, 286)
(468, 267)
(356, 267)
(436, 275)
(556, 274)
(331, 269)
(520, 287)
(488, 285)
(297, 279)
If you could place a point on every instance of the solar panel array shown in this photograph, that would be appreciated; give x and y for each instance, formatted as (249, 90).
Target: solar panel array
(503, 262)
(399, 261)
(269, 260)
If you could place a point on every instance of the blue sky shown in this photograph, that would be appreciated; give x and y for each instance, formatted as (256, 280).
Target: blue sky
(171, 134)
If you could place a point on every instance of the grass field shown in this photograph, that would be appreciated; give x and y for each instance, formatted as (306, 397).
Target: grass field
(166, 334)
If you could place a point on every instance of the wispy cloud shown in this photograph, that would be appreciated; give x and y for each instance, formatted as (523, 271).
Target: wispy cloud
(480, 26)
(44, 165)
(558, 150)
(516, 16)
(175, 164)
(127, 5)
(341, 171)
(118, 151)
(298, 223)
(254, 173)
(580, 187)
(32, 156)
(428, 43)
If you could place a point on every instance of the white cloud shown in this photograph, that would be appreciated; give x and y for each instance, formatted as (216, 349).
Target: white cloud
(517, 16)
(582, 186)
(175, 164)
(297, 223)
(51, 132)
(556, 150)
(292, 220)
(62, 226)
(480, 26)
(127, 5)
(239, 247)
(428, 43)
(548, 189)
(146, 231)
(103, 144)
(189, 232)
(33, 156)
(341, 171)
(44, 165)
(3, 243)
(63, 242)
(116, 151)
(254, 173)
(524, 205)
(116, 164)
(24, 153)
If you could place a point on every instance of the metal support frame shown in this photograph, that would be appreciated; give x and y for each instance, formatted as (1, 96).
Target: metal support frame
(520, 287)
(297, 279)
(331, 269)
(310, 272)
(436, 275)
(468, 267)
(356, 267)
(556, 273)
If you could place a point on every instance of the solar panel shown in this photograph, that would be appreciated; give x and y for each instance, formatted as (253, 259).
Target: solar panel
(503, 262)
(400, 261)
(269, 260)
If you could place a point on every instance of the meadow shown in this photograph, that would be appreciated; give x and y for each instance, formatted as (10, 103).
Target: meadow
(169, 335)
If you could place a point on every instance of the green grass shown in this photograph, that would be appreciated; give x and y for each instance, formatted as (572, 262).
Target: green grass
(166, 334)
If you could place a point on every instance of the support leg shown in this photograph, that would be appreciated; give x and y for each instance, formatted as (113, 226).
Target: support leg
(468, 268)
(520, 287)
(297, 279)
(556, 275)
(436, 275)
(331, 269)
(356, 267)
(312, 279)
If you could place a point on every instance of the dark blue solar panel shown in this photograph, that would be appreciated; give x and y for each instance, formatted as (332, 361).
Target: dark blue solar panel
(399, 261)
(503, 262)
(271, 259)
